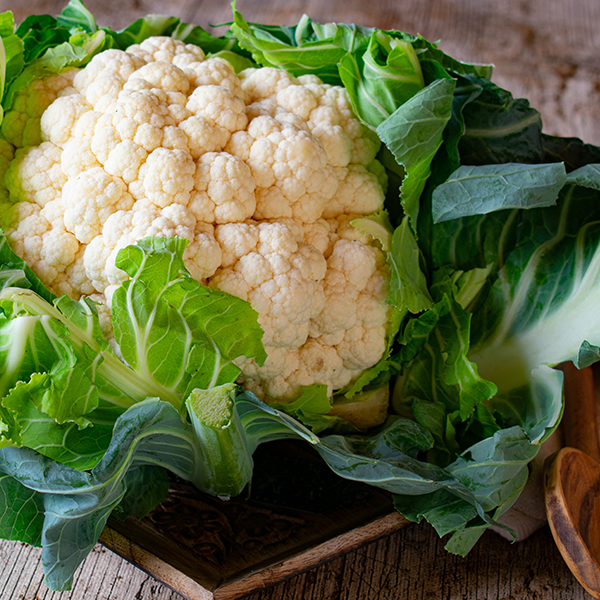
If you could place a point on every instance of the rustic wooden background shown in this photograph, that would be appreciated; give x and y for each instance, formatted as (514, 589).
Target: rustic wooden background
(545, 50)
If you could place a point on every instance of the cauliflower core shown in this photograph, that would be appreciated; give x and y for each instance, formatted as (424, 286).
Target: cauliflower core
(261, 173)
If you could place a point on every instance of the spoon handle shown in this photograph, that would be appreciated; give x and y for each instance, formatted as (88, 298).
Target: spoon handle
(580, 420)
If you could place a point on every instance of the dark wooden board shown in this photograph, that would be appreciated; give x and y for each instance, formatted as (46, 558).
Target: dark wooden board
(295, 515)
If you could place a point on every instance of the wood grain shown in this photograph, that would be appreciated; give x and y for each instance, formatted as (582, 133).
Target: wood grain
(260, 579)
(544, 50)
(411, 564)
(572, 484)
(580, 419)
(572, 480)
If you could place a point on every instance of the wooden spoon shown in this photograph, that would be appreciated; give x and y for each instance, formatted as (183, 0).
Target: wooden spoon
(572, 481)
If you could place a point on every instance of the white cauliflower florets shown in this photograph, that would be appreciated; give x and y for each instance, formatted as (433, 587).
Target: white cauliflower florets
(88, 200)
(36, 175)
(214, 71)
(324, 321)
(262, 174)
(223, 189)
(47, 250)
(277, 276)
(166, 49)
(289, 167)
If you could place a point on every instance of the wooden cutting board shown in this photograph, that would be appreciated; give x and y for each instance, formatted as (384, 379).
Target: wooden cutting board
(295, 515)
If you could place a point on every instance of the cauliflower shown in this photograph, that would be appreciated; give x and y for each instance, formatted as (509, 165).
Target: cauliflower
(262, 173)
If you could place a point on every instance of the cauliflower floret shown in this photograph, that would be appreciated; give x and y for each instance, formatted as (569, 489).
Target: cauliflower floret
(103, 91)
(47, 250)
(123, 228)
(263, 83)
(321, 234)
(328, 115)
(36, 175)
(139, 116)
(354, 316)
(314, 362)
(236, 241)
(215, 71)
(219, 106)
(289, 166)
(125, 160)
(318, 234)
(325, 108)
(165, 178)
(270, 108)
(74, 282)
(60, 117)
(334, 108)
(341, 228)
(223, 189)
(298, 100)
(176, 106)
(324, 123)
(359, 192)
(362, 346)
(378, 170)
(112, 64)
(348, 270)
(166, 49)
(77, 156)
(204, 136)
(90, 199)
(203, 256)
(275, 276)
(162, 75)
(85, 126)
(103, 309)
(21, 124)
(347, 336)
(261, 174)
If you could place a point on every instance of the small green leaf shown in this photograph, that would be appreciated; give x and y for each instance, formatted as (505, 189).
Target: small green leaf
(414, 134)
(586, 176)
(273, 46)
(476, 190)
(76, 16)
(381, 78)
(174, 331)
(408, 285)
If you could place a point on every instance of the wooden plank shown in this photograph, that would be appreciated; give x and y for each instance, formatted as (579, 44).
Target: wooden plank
(411, 564)
(153, 565)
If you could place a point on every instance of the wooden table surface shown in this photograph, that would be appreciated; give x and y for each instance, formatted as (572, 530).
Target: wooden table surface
(545, 50)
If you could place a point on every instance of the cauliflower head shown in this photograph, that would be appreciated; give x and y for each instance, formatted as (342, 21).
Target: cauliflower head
(261, 172)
